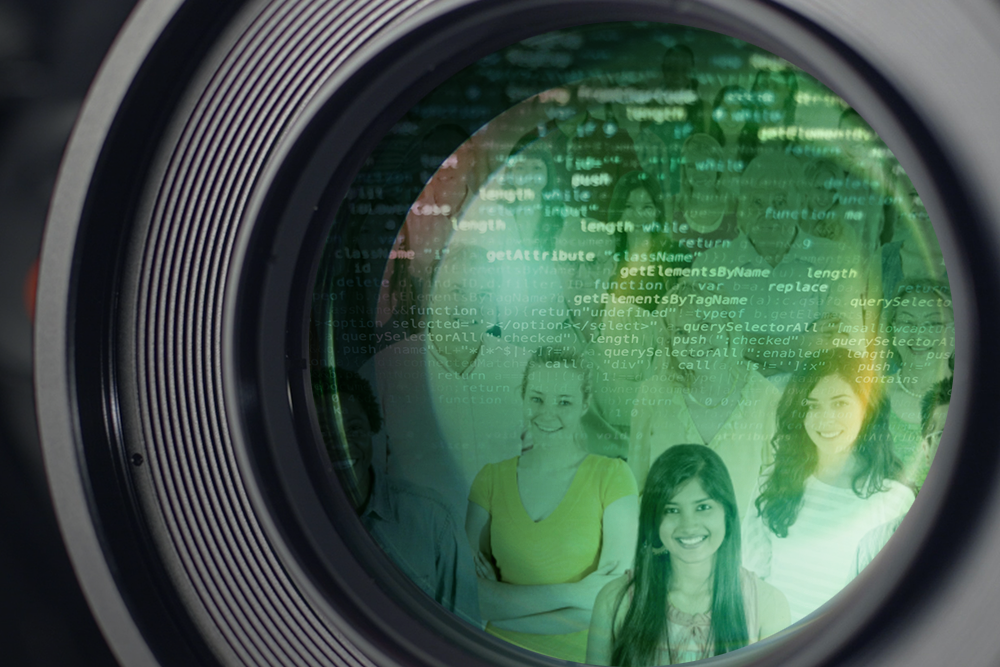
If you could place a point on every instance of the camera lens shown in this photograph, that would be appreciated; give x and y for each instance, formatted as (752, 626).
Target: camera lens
(502, 333)
(591, 248)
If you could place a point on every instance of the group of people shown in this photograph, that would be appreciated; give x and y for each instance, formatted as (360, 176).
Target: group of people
(680, 380)
(563, 559)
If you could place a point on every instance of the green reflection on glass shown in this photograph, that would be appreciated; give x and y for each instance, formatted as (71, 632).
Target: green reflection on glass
(590, 249)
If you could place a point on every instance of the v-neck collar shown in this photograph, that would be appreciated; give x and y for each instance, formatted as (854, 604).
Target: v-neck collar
(692, 428)
(562, 501)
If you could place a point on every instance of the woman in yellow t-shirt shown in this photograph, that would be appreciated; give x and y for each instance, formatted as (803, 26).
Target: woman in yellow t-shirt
(551, 527)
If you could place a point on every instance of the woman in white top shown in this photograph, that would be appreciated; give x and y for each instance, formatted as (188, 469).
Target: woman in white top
(832, 481)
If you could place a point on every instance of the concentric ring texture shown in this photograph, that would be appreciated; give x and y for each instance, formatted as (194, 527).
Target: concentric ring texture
(234, 579)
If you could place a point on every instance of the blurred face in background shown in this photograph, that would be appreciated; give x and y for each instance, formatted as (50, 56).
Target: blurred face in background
(355, 460)
(701, 164)
(582, 279)
(763, 215)
(653, 154)
(821, 191)
(732, 114)
(450, 185)
(773, 93)
(922, 332)
(770, 202)
(698, 335)
(913, 226)
(462, 299)
(933, 431)
(527, 172)
(558, 104)
(446, 161)
(677, 65)
(912, 202)
(640, 209)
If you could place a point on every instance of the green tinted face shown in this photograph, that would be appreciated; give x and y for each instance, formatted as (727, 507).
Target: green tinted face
(703, 232)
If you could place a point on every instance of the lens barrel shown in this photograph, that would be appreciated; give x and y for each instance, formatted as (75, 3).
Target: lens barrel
(172, 343)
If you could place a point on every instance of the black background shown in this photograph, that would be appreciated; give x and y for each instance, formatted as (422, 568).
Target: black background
(50, 50)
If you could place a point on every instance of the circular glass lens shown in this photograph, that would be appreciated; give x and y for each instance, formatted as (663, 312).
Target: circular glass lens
(632, 344)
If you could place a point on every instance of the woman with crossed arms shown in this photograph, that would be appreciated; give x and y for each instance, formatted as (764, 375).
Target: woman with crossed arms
(549, 528)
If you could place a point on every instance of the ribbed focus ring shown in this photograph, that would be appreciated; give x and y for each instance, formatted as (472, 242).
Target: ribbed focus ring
(273, 69)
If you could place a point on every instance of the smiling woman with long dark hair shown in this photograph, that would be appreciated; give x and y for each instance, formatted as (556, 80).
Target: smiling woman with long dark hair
(688, 598)
(833, 479)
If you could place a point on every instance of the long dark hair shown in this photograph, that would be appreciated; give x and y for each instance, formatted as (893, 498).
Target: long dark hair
(626, 185)
(644, 627)
(746, 142)
(550, 224)
(795, 455)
